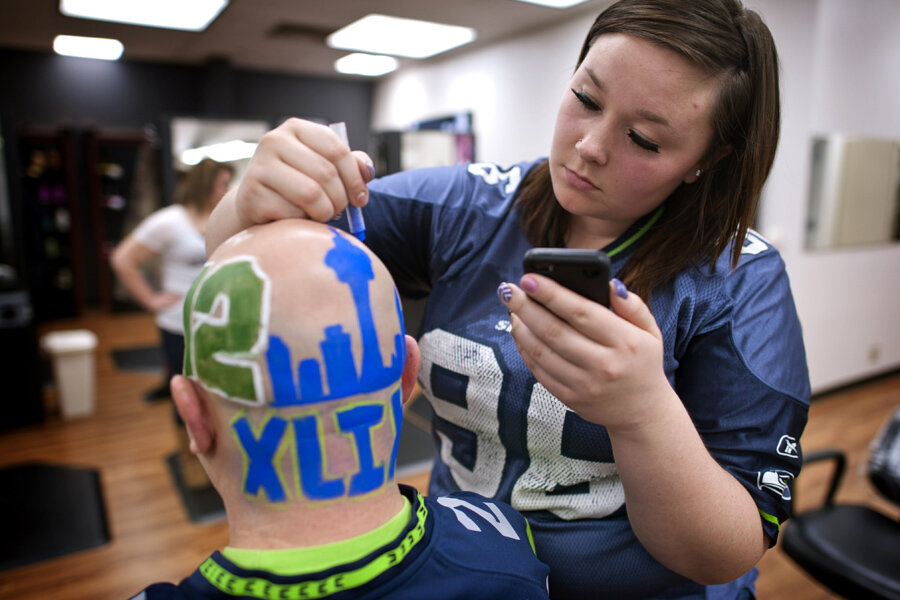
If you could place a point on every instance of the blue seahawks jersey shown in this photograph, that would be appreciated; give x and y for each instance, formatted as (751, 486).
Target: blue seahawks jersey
(456, 546)
(733, 353)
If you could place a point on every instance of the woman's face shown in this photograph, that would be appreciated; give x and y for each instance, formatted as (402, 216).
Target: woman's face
(642, 114)
(219, 188)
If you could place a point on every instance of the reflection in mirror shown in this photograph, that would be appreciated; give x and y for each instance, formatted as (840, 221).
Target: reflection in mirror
(854, 192)
(226, 140)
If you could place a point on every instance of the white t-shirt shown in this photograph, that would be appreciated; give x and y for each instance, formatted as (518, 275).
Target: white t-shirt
(170, 232)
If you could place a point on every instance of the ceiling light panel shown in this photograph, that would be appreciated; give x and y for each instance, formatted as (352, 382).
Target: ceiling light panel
(381, 34)
(88, 47)
(186, 15)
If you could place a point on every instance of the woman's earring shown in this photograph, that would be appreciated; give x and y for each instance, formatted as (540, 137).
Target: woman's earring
(579, 141)
(698, 172)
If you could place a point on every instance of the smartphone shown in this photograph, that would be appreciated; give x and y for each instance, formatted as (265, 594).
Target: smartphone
(585, 272)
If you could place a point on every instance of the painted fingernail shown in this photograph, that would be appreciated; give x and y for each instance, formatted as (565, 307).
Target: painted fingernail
(621, 290)
(371, 168)
(529, 284)
(505, 292)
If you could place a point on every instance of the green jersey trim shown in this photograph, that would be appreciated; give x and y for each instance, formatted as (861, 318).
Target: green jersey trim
(770, 519)
(637, 234)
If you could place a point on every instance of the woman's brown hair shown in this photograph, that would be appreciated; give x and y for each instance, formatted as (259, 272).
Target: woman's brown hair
(699, 221)
(197, 184)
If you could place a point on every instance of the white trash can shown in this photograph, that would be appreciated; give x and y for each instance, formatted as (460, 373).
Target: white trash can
(72, 353)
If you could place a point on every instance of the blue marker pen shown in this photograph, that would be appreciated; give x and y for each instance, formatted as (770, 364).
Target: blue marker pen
(354, 213)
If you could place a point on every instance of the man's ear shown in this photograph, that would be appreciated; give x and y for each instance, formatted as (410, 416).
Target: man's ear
(411, 368)
(193, 412)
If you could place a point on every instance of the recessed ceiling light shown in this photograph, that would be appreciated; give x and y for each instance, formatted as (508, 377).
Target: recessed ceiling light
(371, 65)
(88, 47)
(380, 34)
(187, 15)
(555, 3)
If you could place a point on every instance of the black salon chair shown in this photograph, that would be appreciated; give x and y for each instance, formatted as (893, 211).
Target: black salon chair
(852, 549)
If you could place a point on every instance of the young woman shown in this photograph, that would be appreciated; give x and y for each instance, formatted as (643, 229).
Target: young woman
(651, 446)
(174, 234)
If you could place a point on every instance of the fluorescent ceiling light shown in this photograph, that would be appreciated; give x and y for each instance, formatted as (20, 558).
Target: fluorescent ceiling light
(221, 152)
(187, 15)
(380, 34)
(88, 47)
(555, 3)
(371, 65)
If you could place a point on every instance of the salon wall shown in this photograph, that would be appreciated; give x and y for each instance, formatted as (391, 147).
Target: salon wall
(839, 73)
(839, 59)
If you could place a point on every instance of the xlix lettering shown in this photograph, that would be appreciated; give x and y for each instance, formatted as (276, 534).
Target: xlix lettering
(301, 438)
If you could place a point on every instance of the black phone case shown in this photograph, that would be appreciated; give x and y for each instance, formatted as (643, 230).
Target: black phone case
(585, 272)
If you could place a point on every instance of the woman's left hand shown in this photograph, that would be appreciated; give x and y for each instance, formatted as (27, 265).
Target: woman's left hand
(606, 365)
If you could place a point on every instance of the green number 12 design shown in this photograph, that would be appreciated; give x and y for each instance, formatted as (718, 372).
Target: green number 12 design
(226, 319)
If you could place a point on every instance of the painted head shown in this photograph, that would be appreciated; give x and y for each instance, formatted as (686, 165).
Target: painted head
(294, 341)
(672, 104)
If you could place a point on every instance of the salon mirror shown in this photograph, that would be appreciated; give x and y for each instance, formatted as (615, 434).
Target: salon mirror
(854, 192)
(191, 139)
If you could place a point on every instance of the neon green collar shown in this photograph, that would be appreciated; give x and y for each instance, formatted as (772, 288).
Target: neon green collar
(356, 576)
(642, 230)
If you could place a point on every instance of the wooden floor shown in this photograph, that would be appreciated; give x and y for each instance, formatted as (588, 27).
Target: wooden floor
(128, 439)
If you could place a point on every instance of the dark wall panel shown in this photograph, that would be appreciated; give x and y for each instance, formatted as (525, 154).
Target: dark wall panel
(47, 90)
(327, 99)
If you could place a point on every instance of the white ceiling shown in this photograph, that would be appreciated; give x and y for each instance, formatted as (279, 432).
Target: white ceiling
(275, 35)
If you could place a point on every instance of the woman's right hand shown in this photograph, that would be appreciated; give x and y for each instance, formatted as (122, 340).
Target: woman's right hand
(300, 169)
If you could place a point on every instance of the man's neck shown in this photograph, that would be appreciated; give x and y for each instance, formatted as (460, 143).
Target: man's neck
(256, 527)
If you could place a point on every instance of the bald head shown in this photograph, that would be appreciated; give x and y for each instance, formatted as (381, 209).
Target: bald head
(294, 339)
(293, 313)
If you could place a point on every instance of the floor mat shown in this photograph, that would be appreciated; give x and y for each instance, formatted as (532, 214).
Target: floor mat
(417, 449)
(202, 505)
(48, 511)
(141, 358)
